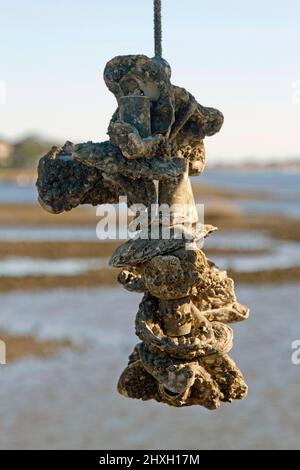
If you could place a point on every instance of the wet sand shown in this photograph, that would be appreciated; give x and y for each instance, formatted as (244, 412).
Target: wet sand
(267, 276)
(32, 214)
(24, 346)
(280, 228)
(202, 190)
(11, 175)
(58, 250)
(103, 277)
(108, 277)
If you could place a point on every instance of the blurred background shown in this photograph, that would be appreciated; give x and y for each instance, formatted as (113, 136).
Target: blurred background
(67, 325)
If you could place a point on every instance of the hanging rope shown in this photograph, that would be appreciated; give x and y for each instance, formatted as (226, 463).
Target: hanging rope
(157, 28)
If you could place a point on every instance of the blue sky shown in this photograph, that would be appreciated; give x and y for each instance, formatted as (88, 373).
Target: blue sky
(239, 56)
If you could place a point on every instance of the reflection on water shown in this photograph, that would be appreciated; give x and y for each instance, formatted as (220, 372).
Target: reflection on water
(284, 256)
(239, 240)
(78, 233)
(51, 234)
(71, 401)
(14, 193)
(287, 208)
(284, 184)
(22, 267)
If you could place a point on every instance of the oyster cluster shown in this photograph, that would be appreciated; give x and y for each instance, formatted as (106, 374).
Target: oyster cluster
(183, 325)
(156, 142)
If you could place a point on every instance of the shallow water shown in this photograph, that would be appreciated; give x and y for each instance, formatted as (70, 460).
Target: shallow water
(283, 256)
(71, 402)
(287, 208)
(22, 267)
(282, 186)
(238, 240)
(49, 234)
(14, 193)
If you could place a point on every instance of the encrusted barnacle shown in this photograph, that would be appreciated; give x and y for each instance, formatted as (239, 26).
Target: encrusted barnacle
(164, 277)
(173, 276)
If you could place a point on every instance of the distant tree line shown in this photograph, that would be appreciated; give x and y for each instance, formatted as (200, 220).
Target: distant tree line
(26, 152)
